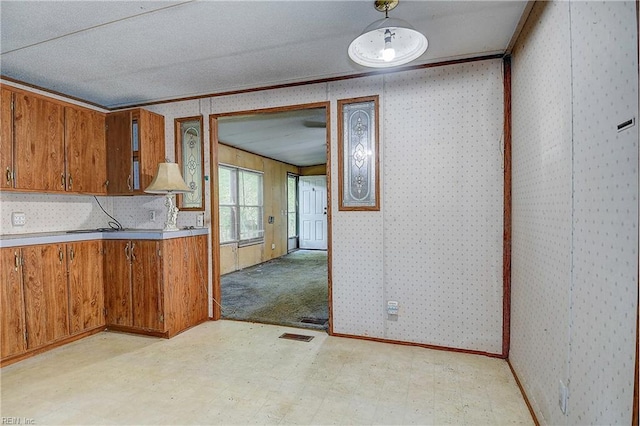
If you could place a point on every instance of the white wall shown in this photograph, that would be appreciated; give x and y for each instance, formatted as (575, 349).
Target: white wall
(436, 244)
(575, 214)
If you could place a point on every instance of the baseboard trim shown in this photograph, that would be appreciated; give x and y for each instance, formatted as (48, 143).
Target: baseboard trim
(524, 394)
(134, 330)
(42, 349)
(420, 345)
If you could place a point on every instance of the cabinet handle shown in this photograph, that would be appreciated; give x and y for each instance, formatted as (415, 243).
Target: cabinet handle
(70, 182)
(133, 256)
(129, 183)
(62, 180)
(126, 252)
(60, 255)
(72, 254)
(9, 175)
(17, 258)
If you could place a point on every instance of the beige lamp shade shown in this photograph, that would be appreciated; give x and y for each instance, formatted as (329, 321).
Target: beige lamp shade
(167, 180)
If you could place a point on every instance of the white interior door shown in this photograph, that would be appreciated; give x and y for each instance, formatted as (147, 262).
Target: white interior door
(312, 192)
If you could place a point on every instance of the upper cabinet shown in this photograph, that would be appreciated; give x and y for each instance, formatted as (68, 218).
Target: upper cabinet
(6, 138)
(135, 141)
(86, 165)
(49, 146)
(38, 144)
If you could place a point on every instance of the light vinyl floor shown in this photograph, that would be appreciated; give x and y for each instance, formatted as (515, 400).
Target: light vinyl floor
(229, 372)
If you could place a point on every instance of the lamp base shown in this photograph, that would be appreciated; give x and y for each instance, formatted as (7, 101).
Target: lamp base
(172, 214)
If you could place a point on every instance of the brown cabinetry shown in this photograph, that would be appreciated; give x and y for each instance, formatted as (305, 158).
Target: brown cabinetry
(45, 294)
(12, 336)
(49, 293)
(133, 285)
(135, 141)
(86, 151)
(47, 146)
(6, 138)
(156, 287)
(86, 285)
(38, 144)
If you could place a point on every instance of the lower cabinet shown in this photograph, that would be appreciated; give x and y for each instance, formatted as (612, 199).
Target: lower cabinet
(156, 287)
(13, 332)
(133, 284)
(50, 292)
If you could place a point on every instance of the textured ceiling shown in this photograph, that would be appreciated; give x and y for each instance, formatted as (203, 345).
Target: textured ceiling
(121, 53)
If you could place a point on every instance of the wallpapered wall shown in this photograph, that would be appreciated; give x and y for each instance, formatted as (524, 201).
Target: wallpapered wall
(575, 210)
(436, 244)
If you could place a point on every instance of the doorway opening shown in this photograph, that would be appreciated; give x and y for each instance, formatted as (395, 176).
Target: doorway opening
(282, 274)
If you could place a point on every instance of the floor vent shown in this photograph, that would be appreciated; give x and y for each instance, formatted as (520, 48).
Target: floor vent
(311, 320)
(298, 337)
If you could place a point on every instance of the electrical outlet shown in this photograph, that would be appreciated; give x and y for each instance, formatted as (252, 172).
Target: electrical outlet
(273, 246)
(563, 397)
(392, 307)
(200, 221)
(18, 219)
(152, 216)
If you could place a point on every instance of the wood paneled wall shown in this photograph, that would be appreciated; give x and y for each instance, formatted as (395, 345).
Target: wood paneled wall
(232, 257)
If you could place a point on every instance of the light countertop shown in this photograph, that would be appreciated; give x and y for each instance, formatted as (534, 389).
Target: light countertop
(15, 240)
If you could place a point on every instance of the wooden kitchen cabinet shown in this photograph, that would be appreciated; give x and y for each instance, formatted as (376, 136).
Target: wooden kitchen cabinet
(86, 151)
(49, 146)
(51, 294)
(156, 287)
(6, 138)
(38, 144)
(86, 290)
(12, 327)
(133, 285)
(185, 271)
(46, 296)
(135, 145)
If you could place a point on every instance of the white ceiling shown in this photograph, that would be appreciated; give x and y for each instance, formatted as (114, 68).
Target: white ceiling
(294, 137)
(121, 53)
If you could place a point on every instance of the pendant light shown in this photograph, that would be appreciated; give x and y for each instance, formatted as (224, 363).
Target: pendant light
(387, 42)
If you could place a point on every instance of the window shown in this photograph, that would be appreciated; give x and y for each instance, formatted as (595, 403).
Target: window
(241, 205)
(292, 205)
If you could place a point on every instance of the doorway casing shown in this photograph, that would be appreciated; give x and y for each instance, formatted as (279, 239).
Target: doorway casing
(215, 223)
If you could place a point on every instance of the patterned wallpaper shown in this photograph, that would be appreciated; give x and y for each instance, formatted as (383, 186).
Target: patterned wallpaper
(444, 205)
(53, 212)
(605, 261)
(575, 210)
(541, 206)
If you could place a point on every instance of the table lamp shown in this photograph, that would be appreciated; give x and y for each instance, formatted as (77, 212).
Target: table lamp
(168, 181)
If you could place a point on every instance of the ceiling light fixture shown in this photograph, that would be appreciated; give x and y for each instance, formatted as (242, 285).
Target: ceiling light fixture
(387, 42)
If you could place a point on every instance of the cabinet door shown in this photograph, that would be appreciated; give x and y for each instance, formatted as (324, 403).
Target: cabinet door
(12, 337)
(119, 153)
(38, 144)
(147, 285)
(45, 294)
(6, 138)
(117, 282)
(86, 291)
(151, 150)
(185, 273)
(85, 140)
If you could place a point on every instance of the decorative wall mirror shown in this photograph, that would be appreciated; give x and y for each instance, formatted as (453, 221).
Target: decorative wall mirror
(190, 157)
(358, 168)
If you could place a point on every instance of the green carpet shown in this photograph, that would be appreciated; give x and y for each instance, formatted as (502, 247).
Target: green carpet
(283, 291)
